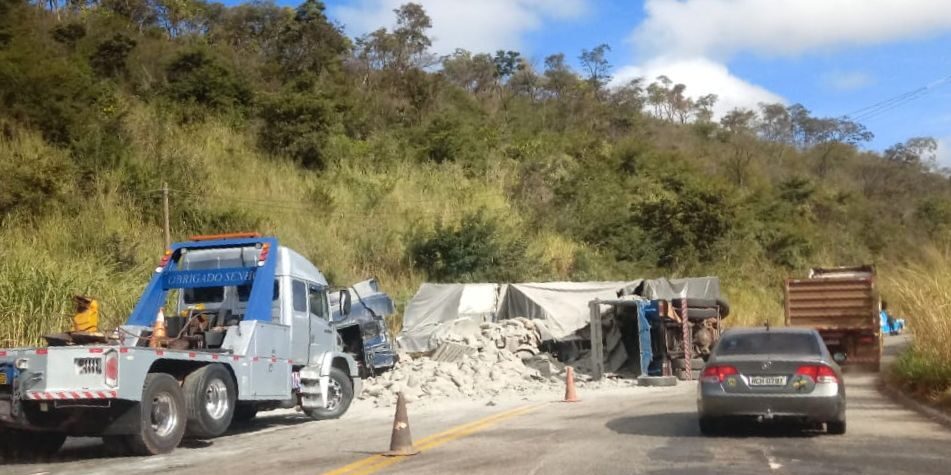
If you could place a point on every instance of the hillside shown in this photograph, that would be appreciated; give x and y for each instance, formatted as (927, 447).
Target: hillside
(373, 156)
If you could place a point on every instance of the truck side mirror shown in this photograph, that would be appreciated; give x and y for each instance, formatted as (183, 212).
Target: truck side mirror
(344, 302)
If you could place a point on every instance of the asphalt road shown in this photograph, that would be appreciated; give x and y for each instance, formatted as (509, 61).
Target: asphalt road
(629, 430)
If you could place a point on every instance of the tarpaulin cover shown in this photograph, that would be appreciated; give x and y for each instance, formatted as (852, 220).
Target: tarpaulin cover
(435, 304)
(561, 306)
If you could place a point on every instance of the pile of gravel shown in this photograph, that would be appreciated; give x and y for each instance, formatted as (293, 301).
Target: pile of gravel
(499, 360)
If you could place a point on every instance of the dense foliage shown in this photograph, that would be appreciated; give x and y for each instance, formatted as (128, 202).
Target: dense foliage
(375, 156)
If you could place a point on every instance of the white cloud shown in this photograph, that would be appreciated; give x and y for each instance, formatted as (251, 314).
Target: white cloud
(943, 154)
(721, 28)
(702, 76)
(846, 80)
(481, 26)
(691, 40)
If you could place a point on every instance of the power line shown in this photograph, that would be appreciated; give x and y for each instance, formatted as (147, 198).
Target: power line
(881, 107)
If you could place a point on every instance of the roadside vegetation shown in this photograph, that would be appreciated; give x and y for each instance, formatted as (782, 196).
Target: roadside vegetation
(375, 156)
(924, 297)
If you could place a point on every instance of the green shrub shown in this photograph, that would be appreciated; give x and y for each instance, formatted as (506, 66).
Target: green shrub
(195, 76)
(474, 250)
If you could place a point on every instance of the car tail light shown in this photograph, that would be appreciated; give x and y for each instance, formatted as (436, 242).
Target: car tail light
(818, 373)
(111, 371)
(717, 373)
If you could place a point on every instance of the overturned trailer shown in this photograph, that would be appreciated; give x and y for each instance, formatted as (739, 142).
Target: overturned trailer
(560, 312)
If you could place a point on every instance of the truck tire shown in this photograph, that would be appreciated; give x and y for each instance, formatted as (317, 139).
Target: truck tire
(161, 416)
(244, 413)
(210, 397)
(340, 394)
(29, 446)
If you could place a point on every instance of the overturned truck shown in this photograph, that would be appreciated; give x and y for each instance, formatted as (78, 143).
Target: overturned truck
(560, 312)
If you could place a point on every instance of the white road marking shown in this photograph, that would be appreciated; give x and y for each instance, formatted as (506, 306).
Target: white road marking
(773, 465)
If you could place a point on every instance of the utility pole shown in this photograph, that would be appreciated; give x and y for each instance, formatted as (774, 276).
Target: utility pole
(168, 232)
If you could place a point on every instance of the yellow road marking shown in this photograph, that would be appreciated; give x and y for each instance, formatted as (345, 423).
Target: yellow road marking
(375, 463)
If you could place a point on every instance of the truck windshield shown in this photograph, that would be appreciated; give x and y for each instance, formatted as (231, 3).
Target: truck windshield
(768, 343)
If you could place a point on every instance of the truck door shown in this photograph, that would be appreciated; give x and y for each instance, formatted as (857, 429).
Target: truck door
(323, 338)
(300, 322)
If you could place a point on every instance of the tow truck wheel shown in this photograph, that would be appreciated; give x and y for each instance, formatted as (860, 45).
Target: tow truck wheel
(210, 397)
(22, 445)
(162, 416)
(339, 396)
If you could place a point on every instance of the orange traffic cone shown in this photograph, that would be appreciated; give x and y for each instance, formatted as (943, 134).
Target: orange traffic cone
(570, 395)
(401, 441)
(158, 330)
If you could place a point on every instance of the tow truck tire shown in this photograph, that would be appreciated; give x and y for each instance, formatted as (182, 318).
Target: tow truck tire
(210, 397)
(162, 416)
(22, 445)
(341, 394)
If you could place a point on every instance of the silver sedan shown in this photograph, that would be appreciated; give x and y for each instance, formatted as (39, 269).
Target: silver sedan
(762, 374)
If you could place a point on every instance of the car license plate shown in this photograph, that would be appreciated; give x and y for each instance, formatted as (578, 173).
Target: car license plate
(767, 380)
(3, 377)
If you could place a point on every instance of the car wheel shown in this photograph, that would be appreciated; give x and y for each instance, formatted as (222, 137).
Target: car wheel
(161, 416)
(836, 427)
(709, 426)
(340, 394)
(210, 396)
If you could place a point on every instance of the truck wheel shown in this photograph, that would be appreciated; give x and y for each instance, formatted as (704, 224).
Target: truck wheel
(339, 396)
(161, 416)
(29, 446)
(244, 412)
(210, 396)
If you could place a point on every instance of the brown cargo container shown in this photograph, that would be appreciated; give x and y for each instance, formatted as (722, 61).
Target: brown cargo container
(842, 303)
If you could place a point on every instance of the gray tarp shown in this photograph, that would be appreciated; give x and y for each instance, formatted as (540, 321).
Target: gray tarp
(562, 306)
(437, 304)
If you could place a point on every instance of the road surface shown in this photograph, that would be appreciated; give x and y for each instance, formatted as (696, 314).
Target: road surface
(624, 430)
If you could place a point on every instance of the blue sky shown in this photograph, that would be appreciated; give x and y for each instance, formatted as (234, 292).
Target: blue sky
(833, 56)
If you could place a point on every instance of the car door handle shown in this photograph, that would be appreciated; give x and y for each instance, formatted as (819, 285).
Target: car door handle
(327, 331)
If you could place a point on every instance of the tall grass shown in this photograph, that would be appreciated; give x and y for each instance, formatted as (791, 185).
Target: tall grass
(921, 293)
(353, 220)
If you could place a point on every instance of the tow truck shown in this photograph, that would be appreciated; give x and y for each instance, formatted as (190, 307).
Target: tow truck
(249, 328)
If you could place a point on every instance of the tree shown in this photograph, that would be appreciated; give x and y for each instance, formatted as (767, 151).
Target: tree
(310, 42)
(506, 64)
(776, 123)
(918, 152)
(739, 121)
(703, 108)
(412, 42)
(296, 124)
(596, 64)
(109, 59)
(559, 78)
(195, 76)
(475, 74)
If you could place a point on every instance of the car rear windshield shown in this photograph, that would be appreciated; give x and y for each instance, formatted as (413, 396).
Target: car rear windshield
(768, 343)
